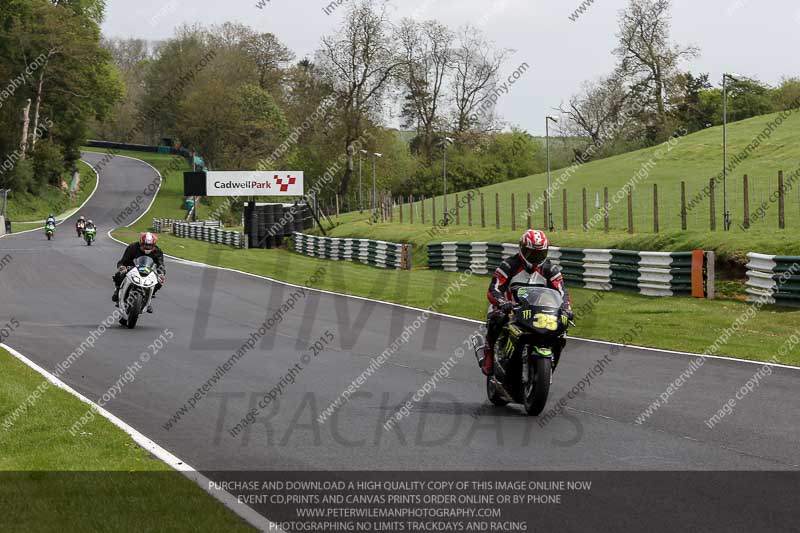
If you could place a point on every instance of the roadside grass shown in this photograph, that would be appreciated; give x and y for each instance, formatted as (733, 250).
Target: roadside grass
(681, 324)
(34, 208)
(694, 159)
(100, 480)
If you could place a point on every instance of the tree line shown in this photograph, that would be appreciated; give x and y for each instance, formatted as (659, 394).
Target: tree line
(59, 80)
(243, 100)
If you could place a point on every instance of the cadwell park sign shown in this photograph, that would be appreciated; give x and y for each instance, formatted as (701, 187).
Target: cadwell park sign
(243, 183)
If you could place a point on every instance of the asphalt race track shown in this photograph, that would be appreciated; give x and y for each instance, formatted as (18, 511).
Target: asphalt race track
(59, 291)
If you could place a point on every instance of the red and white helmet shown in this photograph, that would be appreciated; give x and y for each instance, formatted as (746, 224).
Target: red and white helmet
(533, 247)
(147, 242)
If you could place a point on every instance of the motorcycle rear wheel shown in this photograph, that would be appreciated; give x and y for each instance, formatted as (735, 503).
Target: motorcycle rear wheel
(538, 386)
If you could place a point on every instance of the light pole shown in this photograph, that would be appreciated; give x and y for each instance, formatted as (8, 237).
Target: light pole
(375, 157)
(445, 143)
(547, 144)
(360, 190)
(727, 215)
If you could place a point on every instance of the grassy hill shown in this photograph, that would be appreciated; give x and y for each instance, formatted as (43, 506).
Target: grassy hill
(693, 159)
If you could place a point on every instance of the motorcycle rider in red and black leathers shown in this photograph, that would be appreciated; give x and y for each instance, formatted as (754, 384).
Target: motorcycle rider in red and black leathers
(531, 262)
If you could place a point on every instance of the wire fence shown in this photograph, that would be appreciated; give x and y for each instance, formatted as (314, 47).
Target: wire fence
(650, 207)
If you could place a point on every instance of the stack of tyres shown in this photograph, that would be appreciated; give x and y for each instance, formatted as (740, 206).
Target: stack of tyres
(261, 228)
(277, 229)
(268, 231)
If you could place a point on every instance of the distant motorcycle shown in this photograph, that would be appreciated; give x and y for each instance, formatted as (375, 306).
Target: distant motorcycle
(50, 230)
(523, 362)
(89, 235)
(80, 228)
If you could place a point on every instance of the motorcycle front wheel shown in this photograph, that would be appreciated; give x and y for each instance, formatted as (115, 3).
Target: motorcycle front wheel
(538, 386)
(134, 309)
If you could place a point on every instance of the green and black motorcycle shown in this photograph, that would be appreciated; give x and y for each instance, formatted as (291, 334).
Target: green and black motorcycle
(524, 352)
(49, 230)
(89, 235)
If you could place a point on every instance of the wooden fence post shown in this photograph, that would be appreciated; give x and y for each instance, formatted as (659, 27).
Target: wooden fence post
(529, 211)
(683, 205)
(458, 212)
(713, 213)
(422, 203)
(605, 209)
(469, 209)
(564, 209)
(585, 211)
(513, 213)
(337, 205)
(411, 209)
(483, 213)
(781, 204)
(433, 211)
(497, 210)
(630, 211)
(655, 208)
(401, 209)
(746, 219)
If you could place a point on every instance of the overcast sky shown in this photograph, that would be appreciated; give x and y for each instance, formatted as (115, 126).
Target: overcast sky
(757, 38)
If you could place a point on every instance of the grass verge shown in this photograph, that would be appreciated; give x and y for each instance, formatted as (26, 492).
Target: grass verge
(100, 480)
(692, 159)
(25, 210)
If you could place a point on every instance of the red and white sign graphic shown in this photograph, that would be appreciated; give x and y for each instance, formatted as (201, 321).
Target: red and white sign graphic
(267, 183)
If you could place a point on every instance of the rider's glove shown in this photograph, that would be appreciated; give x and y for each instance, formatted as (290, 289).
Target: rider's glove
(122, 269)
(506, 307)
(567, 310)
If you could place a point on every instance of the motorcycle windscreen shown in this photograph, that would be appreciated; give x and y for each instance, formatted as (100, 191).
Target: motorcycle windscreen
(144, 265)
(540, 297)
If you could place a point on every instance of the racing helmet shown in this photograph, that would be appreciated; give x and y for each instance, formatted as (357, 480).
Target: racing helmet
(533, 248)
(147, 242)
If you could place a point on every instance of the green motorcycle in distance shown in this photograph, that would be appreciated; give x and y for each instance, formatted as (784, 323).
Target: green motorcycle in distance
(50, 230)
(89, 235)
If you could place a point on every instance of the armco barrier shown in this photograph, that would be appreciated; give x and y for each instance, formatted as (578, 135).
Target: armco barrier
(376, 253)
(164, 225)
(773, 278)
(648, 273)
(207, 232)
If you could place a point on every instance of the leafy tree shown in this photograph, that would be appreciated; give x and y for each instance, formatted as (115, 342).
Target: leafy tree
(647, 57)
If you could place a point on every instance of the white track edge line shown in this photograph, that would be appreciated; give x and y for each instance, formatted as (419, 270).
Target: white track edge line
(155, 194)
(227, 499)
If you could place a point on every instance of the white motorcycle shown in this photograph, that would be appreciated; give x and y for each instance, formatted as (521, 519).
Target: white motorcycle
(136, 291)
